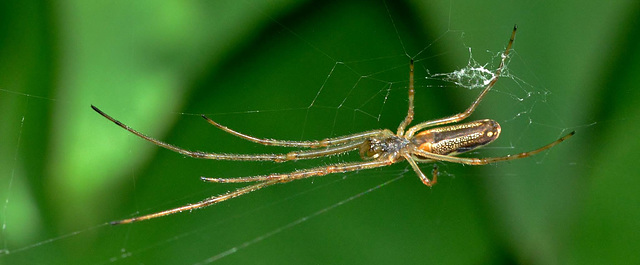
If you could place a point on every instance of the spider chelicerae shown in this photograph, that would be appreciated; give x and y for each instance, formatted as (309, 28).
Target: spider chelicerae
(377, 148)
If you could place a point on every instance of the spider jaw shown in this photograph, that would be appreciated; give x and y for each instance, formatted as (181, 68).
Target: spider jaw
(370, 149)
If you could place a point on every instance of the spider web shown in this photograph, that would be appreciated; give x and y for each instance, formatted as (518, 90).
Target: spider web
(339, 87)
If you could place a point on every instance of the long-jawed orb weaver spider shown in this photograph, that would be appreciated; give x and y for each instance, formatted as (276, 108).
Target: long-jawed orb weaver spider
(378, 148)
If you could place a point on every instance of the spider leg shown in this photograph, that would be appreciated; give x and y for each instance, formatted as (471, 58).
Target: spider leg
(421, 175)
(463, 115)
(308, 144)
(328, 151)
(295, 155)
(271, 180)
(483, 161)
(305, 173)
(407, 120)
(203, 203)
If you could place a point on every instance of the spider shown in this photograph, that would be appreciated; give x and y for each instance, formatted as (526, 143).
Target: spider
(377, 148)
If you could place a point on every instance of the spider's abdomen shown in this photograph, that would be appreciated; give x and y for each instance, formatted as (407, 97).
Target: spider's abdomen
(459, 138)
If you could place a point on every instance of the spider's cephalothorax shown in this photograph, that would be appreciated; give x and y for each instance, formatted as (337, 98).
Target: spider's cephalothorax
(378, 148)
(388, 148)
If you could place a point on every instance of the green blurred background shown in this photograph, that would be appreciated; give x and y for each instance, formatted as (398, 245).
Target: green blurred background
(310, 70)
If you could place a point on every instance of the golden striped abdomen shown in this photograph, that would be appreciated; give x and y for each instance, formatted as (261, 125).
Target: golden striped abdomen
(459, 138)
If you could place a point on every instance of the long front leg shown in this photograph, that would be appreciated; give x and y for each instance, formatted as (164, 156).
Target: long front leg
(306, 144)
(201, 204)
(294, 155)
(266, 181)
(305, 173)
